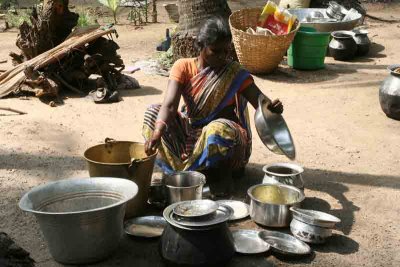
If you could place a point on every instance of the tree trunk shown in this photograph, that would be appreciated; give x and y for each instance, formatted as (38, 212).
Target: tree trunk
(192, 14)
(49, 27)
(153, 12)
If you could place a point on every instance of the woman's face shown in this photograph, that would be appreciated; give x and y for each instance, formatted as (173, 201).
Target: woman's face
(215, 55)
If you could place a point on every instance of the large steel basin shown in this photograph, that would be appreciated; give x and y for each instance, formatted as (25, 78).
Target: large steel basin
(302, 13)
(81, 219)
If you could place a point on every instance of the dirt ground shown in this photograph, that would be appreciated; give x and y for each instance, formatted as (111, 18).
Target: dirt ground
(350, 150)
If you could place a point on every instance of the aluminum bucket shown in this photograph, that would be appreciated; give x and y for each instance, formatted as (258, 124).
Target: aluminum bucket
(184, 185)
(123, 159)
(81, 219)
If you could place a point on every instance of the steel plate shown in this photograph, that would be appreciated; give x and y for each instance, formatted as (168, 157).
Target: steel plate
(248, 242)
(284, 243)
(240, 209)
(147, 226)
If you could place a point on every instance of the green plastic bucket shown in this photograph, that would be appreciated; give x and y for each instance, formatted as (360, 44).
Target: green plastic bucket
(308, 50)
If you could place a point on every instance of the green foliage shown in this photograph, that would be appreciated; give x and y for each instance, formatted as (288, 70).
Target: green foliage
(86, 19)
(166, 58)
(113, 5)
(6, 4)
(16, 18)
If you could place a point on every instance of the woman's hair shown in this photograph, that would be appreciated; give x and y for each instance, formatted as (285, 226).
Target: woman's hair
(215, 29)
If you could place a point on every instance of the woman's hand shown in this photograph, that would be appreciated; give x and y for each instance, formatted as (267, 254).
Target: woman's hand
(168, 110)
(276, 106)
(150, 146)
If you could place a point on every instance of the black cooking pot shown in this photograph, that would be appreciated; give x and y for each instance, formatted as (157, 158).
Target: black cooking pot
(212, 246)
(362, 41)
(342, 45)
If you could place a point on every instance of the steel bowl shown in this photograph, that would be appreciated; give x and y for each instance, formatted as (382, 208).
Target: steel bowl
(309, 233)
(196, 208)
(323, 26)
(273, 131)
(81, 219)
(185, 185)
(270, 203)
(314, 217)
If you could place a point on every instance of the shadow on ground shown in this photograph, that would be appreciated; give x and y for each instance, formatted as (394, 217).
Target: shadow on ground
(145, 253)
(289, 75)
(334, 184)
(330, 182)
(375, 51)
(52, 166)
(142, 91)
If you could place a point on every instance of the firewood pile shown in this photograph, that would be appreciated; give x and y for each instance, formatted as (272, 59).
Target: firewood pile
(55, 57)
(12, 255)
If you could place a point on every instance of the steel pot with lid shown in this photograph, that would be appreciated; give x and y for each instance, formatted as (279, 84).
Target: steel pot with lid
(389, 93)
(284, 173)
(210, 244)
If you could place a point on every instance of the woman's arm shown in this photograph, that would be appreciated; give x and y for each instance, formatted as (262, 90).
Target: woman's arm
(167, 112)
(252, 92)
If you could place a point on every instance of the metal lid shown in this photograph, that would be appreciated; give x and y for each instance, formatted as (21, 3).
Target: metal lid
(284, 243)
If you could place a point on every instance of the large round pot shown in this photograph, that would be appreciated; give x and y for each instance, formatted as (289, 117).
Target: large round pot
(284, 173)
(272, 130)
(210, 247)
(389, 93)
(362, 41)
(123, 159)
(342, 46)
(81, 219)
(270, 203)
(185, 185)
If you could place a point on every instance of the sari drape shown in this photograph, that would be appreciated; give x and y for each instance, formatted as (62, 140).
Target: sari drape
(197, 132)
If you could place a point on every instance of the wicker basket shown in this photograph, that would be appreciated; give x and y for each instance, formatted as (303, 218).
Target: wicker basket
(258, 53)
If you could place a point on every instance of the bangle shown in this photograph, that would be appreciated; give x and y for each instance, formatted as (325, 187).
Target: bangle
(161, 122)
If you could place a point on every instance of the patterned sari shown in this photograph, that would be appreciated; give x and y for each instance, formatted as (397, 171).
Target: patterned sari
(196, 132)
